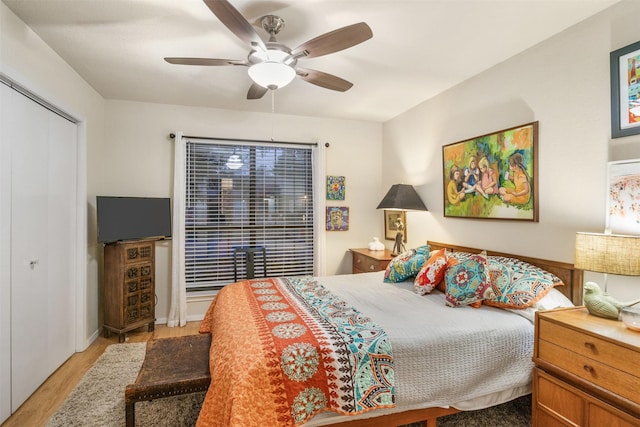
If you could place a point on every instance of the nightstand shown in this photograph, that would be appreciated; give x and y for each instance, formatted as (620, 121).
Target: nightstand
(366, 261)
(587, 371)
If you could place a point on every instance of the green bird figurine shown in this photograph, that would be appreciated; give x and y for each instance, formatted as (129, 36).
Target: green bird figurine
(601, 304)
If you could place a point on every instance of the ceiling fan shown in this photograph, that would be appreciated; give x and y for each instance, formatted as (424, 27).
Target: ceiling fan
(273, 65)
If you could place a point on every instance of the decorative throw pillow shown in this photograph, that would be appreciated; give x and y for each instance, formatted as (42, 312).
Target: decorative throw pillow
(431, 273)
(406, 265)
(518, 284)
(467, 281)
(452, 259)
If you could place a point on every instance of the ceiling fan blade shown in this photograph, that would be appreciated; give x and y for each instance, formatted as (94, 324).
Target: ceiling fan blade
(325, 80)
(204, 61)
(234, 21)
(334, 41)
(256, 91)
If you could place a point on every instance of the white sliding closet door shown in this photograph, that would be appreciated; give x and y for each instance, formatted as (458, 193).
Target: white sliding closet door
(43, 149)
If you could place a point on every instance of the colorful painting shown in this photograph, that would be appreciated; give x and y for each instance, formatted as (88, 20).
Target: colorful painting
(493, 176)
(623, 199)
(625, 91)
(335, 187)
(337, 218)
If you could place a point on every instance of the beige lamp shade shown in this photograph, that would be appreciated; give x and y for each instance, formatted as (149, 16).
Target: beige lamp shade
(608, 253)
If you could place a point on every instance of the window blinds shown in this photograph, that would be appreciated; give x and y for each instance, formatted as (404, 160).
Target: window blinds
(247, 196)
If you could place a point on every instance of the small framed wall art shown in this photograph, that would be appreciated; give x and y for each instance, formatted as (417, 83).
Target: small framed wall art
(493, 176)
(337, 218)
(623, 189)
(335, 187)
(625, 91)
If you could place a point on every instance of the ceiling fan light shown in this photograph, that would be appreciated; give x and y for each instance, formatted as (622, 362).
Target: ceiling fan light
(272, 75)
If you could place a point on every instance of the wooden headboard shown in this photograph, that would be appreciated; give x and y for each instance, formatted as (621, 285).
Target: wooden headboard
(570, 276)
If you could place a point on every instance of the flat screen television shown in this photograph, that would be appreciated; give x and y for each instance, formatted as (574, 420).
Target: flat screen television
(132, 218)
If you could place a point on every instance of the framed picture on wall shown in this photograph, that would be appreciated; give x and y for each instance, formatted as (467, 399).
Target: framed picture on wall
(623, 197)
(625, 91)
(335, 187)
(395, 221)
(493, 176)
(337, 218)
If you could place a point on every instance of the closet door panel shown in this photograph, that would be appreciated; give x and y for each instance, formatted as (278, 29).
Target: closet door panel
(61, 237)
(28, 238)
(5, 257)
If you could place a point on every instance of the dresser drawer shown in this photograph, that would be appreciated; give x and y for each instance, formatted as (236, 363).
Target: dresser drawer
(365, 263)
(597, 361)
(590, 370)
(600, 350)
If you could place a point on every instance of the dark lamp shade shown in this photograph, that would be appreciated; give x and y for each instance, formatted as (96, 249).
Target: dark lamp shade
(402, 197)
(608, 253)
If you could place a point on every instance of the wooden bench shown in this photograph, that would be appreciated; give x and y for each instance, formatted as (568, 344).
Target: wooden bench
(171, 366)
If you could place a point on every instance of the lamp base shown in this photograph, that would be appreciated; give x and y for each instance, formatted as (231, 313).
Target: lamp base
(398, 246)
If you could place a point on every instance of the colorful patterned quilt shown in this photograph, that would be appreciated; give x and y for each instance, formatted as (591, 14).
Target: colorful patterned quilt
(284, 350)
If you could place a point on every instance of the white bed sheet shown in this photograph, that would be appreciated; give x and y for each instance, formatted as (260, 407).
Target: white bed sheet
(468, 358)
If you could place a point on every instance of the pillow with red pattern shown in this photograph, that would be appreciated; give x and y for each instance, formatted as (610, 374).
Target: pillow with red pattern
(431, 273)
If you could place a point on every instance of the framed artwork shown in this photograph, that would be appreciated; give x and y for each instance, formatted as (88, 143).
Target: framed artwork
(393, 221)
(337, 218)
(335, 187)
(625, 91)
(493, 176)
(623, 197)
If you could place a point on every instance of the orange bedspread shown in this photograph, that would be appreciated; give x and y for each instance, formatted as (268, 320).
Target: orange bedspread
(284, 350)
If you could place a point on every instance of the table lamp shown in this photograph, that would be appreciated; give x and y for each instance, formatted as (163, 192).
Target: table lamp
(608, 254)
(401, 197)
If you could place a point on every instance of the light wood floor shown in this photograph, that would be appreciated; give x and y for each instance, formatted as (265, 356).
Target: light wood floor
(42, 404)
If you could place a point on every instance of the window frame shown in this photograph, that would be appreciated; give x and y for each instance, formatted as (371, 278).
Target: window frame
(312, 191)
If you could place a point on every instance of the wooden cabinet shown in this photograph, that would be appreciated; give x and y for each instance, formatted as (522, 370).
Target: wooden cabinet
(366, 261)
(587, 371)
(129, 286)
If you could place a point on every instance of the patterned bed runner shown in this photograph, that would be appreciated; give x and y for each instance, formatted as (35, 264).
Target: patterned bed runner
(318, 352)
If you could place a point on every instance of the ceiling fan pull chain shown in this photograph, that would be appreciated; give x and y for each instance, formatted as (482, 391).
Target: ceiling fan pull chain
(273, 111)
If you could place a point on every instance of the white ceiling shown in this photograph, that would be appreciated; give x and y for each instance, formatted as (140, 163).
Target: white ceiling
(419, 48)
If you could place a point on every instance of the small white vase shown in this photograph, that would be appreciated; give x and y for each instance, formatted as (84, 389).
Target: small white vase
(376, 245)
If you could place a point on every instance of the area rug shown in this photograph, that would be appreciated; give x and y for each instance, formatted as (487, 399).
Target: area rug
(98, 400)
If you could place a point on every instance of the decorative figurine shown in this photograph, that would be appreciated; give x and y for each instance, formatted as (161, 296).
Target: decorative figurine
(376, 245)
(398, 246)
(601, 304)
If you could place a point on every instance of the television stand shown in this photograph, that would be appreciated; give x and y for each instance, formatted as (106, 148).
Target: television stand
(129, 287)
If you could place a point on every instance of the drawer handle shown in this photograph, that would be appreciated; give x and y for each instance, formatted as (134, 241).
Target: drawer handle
(358, 261)
(372, 267)
(589, 369)
(591, 346)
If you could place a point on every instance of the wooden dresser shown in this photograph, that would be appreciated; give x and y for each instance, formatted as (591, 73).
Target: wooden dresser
(587, 371)
(129, 286)
(366, 261)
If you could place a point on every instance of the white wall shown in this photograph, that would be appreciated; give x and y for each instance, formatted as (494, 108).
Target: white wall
(564, 84)
(140, 158)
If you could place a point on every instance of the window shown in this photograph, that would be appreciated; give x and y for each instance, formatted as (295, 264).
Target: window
(247, 196)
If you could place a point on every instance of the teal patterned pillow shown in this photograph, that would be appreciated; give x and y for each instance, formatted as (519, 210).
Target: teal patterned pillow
(467, 281)
(518, 284)
(406, 265)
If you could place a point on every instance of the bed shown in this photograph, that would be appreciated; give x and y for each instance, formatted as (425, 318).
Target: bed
(355, 350)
